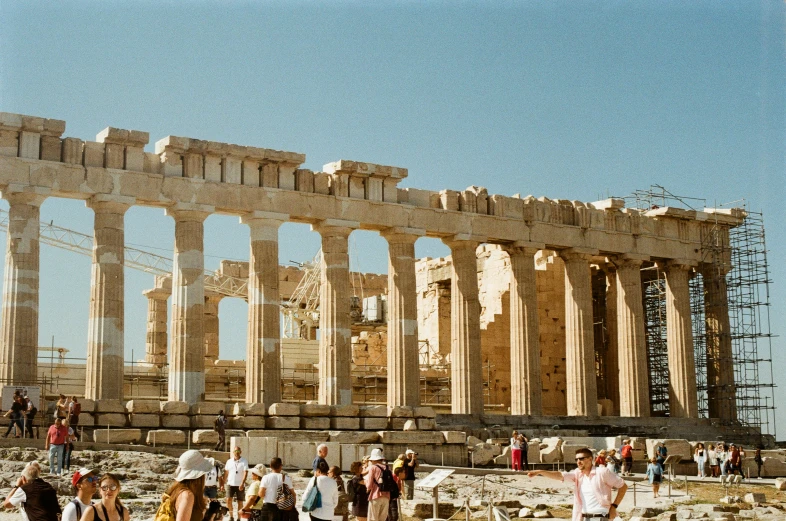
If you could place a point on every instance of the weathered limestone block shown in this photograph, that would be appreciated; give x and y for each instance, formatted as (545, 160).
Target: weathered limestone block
(398, 424)
(283, 422)
(348, 411)
(166, 437)
(296, 435)
(455, 437)
(145, 420)
(424, 437)
(400, 412)
(204, 437)
(504, 458)
(354, 452)
(284, 409)
(551, 450)
(174, 407)
(261, 450)
(315, 423)
(373, 411)
(569, 450)
(311, 410)
(117, 435)
(350, 424)
(755, 497)
(111, 419)
(373, 424)
(248, 422)
(110, 406)
(175, 421)
(409, 425)
(674, 447)
(88, 406)
(354, 437)
(202, 422)
(142, 406)
(533, 451)
(249, 409)
(780, 483)
(238, 441)
(482, 454)
(424, 412)
(207, 408)
(472, 441)
(426, 424)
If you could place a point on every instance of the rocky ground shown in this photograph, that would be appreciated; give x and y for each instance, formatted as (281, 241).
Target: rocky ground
(145, 476)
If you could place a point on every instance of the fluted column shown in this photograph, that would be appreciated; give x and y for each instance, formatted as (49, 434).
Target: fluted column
(721, 391)
(631, 341)
(402, 319)
(104, 367)
(156, 338)
(212, 300)
(683, 402)
(525, 383)
(466, 364)
(335, 348)
(611, 366)
(263, 347)
(187, 360)
(19, 355)
(582, 394)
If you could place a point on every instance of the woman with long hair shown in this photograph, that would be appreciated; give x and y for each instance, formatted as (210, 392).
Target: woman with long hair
(109, 508)
(187, 493)
(700, 456)
(357, 491)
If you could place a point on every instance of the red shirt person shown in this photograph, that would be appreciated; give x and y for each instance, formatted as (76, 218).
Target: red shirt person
(55, 443)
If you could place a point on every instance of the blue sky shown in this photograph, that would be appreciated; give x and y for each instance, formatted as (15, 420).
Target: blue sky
(569, 100)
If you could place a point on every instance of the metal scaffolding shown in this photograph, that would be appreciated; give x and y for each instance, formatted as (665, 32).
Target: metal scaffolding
(654, 295)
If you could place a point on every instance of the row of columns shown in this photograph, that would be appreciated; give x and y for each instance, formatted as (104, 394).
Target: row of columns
(18, 356)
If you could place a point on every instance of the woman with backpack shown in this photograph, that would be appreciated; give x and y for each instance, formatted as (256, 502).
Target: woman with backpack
(74, 410)
(185, 499)
(357, 492)
(109, 508)
(328, 490)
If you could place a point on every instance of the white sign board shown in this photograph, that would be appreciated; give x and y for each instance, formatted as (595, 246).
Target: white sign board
(434, 479)
(32, 391)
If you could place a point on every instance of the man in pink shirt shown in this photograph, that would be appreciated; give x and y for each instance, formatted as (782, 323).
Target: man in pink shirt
(377, 500)
(55, 443)
(591, 488)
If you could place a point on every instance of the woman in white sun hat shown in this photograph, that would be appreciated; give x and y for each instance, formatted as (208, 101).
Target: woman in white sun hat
(187, 492)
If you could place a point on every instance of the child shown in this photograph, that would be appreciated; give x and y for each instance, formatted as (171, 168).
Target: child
(655, 475)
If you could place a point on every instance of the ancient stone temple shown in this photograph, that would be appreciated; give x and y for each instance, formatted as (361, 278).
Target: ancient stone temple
(547, 261)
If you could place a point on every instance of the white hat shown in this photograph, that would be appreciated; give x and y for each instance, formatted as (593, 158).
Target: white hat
(258, 470)
(409, 451)
(193, 465)
(376, 455)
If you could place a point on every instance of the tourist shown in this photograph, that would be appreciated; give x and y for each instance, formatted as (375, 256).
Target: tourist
(410, 466)
(322, 451)
(601, 483)
(110, 507)
(15, 413)
(600, 459)
(612, 453)
(399, 462)
(74, 410)
(30, 413)
(357, 492)
(328, 490)
(55, 443)
(61, 408)
(220, 426)
(68, 448)
(378, 500)
(37, 498)
(235, 474)
(254, 503)
(626, 451)
(524, 443)
(654, 475)
(712, 458)
(734, 459)
(186, 494)
(661, 453)
(85, 484)
(268, 492)
(515, 451)
(722, 456)
(759, 462)
(393, 504)
(700, 456)
(214, 480)
(611, 464)
(342, 506)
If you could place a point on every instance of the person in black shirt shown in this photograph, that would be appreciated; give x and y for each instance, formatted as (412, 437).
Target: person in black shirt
(322, 451)
(15, 412)
(410, 464)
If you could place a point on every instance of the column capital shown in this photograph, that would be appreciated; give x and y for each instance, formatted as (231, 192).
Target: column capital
(711, 269)
(213, 296)
(463, 241)
(335, 227)
(157, 294)
(190, 211)
(110, 203)
(402, 234)
(577, 254)
(627, 260)
(269, 218)
(30, 195)
(523, 247)
(676, 264)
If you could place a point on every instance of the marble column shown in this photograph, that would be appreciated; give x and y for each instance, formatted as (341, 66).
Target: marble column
(212, 300)
(403, 363)
(611, 367)
(156, 338)
(582, 394)
(263, 342)
(19, 353)
(683, 402)
(721, 391)
(525, 383)
(466, 364)
(335, 348)
(631, 340)
(105, 351)
(187, 359)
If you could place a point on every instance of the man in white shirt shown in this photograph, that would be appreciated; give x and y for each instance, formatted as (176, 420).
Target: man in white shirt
(85, 484)
(213, 481)
(235, 474)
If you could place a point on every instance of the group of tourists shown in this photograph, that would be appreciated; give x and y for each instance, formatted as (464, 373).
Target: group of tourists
(519, 446)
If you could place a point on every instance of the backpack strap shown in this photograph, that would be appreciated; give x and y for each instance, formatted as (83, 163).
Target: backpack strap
(78, 508)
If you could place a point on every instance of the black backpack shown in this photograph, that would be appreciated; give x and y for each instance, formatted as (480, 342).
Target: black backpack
(387, 483)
